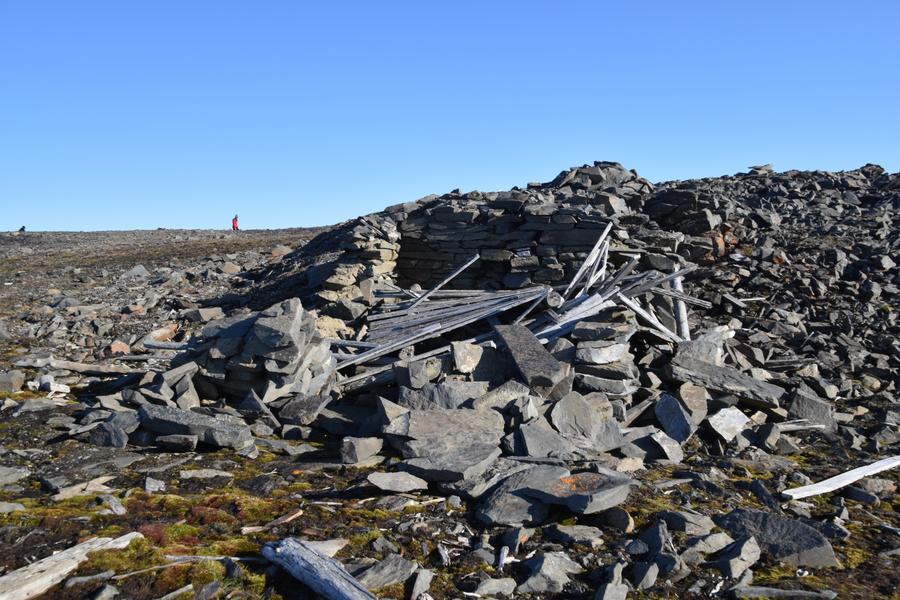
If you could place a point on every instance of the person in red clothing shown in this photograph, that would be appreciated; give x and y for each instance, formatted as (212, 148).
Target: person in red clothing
(234, 224)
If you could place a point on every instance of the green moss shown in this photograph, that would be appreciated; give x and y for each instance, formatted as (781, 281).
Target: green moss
(361, 540)
(140, 554)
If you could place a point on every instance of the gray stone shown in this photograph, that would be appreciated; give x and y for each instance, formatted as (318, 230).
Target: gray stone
(614, 589)
(726, 380)
(456, 463)
(204, 474)
(583, 535)
(152, 485)
(397, 482)
(783, 538)
(728, 423)
(440, 433)
(582, 493)
(302, 410)
(108, 434)
(806, 405)
(11, 381)
(355, 450)
(538, 440)
(644, 574)
(177, 442)
(737, 557)
(496, 587)
(695, 399)
(600, 353)
(10, 475)
(575, 417)
(466, 356)
(8, 507)
(537, 367)
(209, 430)
(548, 573)
(507, 504)
(421, 584)
(669, 447)
(689, 522)
(673, 418)
(698, 547)
(391, 570)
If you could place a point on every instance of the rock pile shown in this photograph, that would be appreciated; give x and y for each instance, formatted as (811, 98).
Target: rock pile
(585, 433)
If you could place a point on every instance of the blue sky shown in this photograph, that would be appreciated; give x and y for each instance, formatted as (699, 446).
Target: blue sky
(120, 115)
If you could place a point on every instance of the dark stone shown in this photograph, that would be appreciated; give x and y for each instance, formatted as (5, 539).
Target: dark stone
(535, 365)
(785, 539)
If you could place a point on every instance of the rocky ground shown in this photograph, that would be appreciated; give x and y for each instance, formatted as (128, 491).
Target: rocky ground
(239, 400)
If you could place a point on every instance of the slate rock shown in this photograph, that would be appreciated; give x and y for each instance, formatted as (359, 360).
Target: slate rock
(393, 569)
(783, 538)
(508, 504)
(209, 430)
(548, 573)
(505, 586)
(177, 442)
(582, 493)
(355, 450)
(737, 557)
(108, 434)
(689, 522)
(11, 381)
(583, 535)
(728, 423)
(673, 418)
(727, 380)
(397, 482)
(537, 367)
(302, 410)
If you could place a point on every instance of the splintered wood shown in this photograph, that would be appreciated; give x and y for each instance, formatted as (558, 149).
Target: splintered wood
(548, 312)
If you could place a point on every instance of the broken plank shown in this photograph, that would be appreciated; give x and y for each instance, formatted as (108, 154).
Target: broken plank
(38, 577)
(322, 574)
(844, 479)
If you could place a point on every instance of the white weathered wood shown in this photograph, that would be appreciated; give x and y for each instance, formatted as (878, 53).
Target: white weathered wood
(40, 576)
(592, 256)
(68, 365)
(844, 479)
(322, 574)
(681, 314)
(637, 308)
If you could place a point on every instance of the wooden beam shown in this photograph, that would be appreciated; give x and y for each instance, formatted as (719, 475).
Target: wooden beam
(322, 574)
(844, 479)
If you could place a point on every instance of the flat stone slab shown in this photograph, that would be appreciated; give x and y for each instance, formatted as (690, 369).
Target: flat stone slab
(783, 538)
(582, 493)
(726, 380)
(391, 570)
(209, 430)
(535, 365)
(507, 504)
(397, 482)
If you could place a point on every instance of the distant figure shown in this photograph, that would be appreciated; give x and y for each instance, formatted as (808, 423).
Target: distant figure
(234, 224)
(22, 229)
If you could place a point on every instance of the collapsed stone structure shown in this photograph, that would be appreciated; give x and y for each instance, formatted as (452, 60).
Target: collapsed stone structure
(589, 373)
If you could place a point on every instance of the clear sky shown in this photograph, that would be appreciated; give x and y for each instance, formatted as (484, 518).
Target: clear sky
(120, 115)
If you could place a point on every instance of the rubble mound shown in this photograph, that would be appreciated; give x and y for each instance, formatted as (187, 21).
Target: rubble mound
(556, 391)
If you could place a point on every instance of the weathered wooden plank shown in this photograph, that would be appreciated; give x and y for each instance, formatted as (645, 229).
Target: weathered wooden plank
(68, 365)
(322, 574)
(844, 479)
(38, 577)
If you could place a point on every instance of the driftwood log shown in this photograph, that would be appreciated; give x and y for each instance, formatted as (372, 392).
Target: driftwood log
(40, 576)
(322, 574)
(844, 479)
